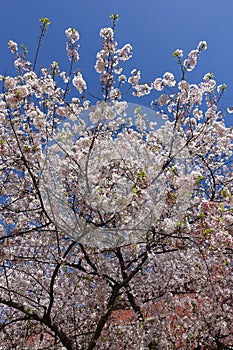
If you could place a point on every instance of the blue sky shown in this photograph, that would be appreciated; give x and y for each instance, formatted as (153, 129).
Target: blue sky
(155, 28)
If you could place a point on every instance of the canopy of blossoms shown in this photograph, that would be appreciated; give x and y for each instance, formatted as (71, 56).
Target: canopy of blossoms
(105, 211)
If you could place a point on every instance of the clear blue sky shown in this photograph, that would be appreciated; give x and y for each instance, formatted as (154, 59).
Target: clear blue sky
(155, 28)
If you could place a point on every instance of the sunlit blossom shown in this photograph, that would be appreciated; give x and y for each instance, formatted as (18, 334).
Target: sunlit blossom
(115, 94)
(13, 46)
(158, 84)
(79, 82)
(107, 33)
(72, 35)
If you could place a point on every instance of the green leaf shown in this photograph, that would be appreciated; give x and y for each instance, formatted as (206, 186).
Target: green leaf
(45, 21)
(23, 47)
(140, 174)
(201, 215)
(200, 178)
(115, 16)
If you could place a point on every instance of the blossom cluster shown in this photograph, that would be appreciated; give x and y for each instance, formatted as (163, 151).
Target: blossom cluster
(108, 62)
(72, 44)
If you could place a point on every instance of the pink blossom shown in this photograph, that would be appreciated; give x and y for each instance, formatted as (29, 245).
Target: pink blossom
(107, 33)
(115, 94)
(134, 78)
(100, 64)
(72, 35)
(13, 46)
(79, 82)
(9, 83)
(125, 53)
(158, 84)
(191, 61)
(168, 79)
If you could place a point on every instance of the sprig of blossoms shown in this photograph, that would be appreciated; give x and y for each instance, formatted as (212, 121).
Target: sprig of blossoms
(72, 44)
(191, 61)
(221, 88)
(107, 63)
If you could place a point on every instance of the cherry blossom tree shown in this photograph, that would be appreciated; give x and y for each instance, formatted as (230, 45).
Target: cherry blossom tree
(106, 213)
